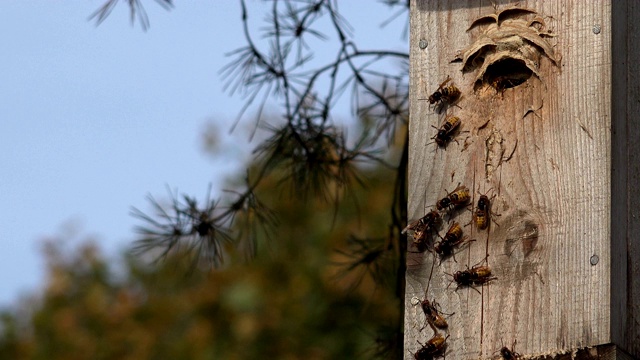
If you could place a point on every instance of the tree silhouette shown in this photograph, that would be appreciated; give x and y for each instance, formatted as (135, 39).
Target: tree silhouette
(307, 150)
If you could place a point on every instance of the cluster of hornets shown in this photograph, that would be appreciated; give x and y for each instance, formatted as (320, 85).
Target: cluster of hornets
(423, 229)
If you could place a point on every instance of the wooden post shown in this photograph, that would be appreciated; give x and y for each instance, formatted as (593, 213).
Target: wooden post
(550, 124)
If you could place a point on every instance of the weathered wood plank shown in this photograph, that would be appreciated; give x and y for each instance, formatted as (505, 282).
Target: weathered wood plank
(600, 352)
(552, 249)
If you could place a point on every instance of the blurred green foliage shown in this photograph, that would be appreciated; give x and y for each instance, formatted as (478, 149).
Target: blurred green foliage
(297, 299)
(325, 282)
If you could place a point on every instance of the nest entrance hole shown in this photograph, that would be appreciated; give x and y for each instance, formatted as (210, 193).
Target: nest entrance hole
(507, 73)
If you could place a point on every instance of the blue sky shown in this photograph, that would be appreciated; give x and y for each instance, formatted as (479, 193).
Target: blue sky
(95, 118)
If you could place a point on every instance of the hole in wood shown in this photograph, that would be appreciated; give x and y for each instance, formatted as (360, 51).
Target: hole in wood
(507, 73)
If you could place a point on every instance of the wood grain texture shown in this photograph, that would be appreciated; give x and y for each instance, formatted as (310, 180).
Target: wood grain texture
(600, 352)
(556, 186)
